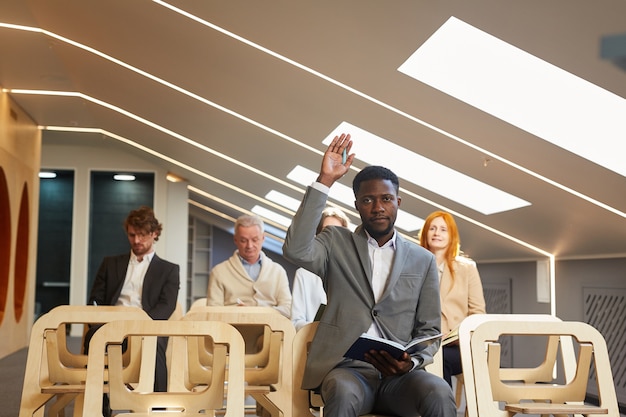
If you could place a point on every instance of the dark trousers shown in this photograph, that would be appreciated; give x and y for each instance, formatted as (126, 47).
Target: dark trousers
(160, 372)
(354, 388)
(451, 362)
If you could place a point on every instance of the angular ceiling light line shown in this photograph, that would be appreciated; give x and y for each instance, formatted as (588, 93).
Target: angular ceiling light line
(391, 108)
(175, 162)
(269, 232)
(231, 205)
(313, 72)
(211, 210)
(310, 178)
(154, 126)
(234, 113)
(162, 82)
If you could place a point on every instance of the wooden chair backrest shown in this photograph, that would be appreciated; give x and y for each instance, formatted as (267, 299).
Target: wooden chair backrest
(564, 398)
(200, 302)
(49, 363)
(490, 383)
(277, 339)
(301, 398)
(205, 397)
(541, 373)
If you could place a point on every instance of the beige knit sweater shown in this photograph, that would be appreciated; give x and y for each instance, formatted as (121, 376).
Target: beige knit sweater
(229, 284)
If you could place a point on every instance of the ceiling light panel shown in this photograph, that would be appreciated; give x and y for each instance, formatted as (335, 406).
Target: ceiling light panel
(283, 199)
(271, 215)
(523, 90)
(426, 173)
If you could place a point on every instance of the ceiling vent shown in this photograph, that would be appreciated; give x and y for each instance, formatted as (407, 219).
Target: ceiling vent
(613, 48)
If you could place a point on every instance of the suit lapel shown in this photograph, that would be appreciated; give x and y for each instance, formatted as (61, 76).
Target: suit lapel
(120, 271)
(445, 281)
(150, 272)
(399, 260)
(360, 241)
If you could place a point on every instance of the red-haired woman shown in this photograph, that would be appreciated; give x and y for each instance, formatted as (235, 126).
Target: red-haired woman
(460, 288)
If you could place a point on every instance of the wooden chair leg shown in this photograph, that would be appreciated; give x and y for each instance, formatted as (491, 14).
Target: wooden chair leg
(458, 392)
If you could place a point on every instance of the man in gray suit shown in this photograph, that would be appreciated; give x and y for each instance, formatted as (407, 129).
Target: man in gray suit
(377, 282)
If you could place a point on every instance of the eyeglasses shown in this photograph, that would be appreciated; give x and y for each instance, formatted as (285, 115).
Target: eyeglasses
(141, 236)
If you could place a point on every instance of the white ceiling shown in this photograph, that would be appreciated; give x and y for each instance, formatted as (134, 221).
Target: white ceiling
(244, 95)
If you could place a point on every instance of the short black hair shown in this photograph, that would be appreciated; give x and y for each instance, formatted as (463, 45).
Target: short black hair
(374, 172)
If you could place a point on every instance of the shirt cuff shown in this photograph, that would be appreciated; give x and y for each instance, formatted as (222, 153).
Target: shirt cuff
(320, 187)
(416, 362)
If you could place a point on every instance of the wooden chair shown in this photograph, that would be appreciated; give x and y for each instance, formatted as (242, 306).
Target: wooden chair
(257, 357)
(494, 386)
(54, 372)
(201, 400)
(268, 380)
(304, 401)
(541, 373)
(200, 302)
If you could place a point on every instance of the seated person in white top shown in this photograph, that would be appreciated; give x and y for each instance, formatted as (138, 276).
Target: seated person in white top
(249, 277)
(308, 290)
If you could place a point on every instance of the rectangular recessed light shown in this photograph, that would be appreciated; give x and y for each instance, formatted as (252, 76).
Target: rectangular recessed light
(427, 173)
(523, 90)
(283, 199)
(124, 177)
(47, 174)
(271, 215)
(339, 192)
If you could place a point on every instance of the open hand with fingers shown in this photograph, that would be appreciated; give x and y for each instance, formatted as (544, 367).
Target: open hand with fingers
(333, 164)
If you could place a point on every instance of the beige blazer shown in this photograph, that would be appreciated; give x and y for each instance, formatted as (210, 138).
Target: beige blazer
(461, 297)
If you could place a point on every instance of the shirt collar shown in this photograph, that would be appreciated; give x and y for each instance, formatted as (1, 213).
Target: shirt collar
(243, 261)
(147, 257)
(391, 243)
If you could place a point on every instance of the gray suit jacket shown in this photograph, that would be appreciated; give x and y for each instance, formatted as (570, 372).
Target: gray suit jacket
(409, 306)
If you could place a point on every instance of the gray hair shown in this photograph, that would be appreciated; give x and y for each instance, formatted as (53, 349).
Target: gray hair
(247, 220)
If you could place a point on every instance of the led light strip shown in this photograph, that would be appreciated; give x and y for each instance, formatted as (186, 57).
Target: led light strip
(187, 140)
(391, 108)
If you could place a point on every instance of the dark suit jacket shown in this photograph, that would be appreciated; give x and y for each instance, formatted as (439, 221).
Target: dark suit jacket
(409, 306)
(160, 285)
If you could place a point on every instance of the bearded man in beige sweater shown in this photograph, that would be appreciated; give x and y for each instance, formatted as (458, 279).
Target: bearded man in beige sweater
(249, 277)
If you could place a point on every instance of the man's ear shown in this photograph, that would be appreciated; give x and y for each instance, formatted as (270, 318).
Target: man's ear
(399, 199)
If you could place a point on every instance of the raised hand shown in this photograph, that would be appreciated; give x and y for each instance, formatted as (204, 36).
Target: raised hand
(333, 166)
